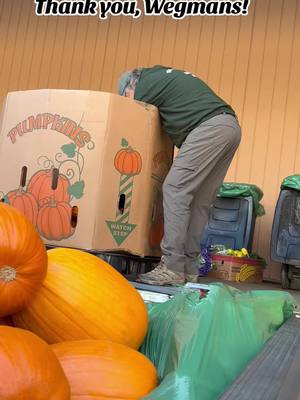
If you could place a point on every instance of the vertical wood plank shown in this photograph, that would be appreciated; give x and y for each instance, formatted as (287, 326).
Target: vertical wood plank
(279, 103)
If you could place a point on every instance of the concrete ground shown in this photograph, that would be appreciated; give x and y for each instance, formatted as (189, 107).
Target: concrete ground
(254, 286)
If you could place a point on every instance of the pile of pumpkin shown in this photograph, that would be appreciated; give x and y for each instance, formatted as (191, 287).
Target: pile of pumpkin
(70, 325)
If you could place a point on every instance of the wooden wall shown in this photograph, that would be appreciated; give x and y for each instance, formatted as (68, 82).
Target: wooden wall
(251, 61)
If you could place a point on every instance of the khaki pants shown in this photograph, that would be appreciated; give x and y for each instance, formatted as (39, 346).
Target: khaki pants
(191, 187)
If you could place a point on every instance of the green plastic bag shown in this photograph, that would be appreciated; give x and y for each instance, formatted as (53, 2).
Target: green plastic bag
(200, 346)
(291, 182)
(229, 189)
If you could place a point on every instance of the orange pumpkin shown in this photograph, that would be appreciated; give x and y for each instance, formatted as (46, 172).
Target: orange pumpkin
(29, 368)
(54, 221)
(83, 297)
(128, 161)
(99, 369)
(23, 260)
(24, 202)
(40, 185)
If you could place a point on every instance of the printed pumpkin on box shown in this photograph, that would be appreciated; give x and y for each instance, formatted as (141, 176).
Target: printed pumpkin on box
(47, 198)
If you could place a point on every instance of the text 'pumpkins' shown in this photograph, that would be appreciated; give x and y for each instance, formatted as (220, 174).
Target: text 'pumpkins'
(83, 297)
(29, 369)
(99, 369)
(23, 260)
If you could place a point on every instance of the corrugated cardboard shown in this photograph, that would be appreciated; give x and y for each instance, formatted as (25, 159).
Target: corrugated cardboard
(110, 157)
(236, 269)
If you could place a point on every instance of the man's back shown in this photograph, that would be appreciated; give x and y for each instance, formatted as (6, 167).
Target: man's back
(184, 101)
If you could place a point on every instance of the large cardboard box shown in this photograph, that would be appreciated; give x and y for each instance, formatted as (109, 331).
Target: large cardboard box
(86, 167)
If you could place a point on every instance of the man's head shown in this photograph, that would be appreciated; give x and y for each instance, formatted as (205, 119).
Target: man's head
(124, 82)
(128, 82)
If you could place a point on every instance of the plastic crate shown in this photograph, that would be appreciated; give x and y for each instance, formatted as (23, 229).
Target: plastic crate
(231, 223)
(285, 239)
(128, 264)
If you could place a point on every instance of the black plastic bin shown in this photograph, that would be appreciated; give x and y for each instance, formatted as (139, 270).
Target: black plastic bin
(231, 223)
(285, 239)
(128, 264)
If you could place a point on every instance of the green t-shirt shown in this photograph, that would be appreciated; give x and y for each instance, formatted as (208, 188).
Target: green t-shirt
(183, 100)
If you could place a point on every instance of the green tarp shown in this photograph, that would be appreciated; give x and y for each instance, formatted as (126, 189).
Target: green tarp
(200, 346)
(229, 189)
(291, 182)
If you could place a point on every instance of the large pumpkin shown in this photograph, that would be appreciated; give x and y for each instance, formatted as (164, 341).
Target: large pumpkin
(24, 202)
(54, 221)
(29, 369)
(23, 260)
(40, 185)
(83, 297)
(128, 161)
(98, 369)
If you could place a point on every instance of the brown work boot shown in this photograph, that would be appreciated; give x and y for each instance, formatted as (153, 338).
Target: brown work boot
(162, 276)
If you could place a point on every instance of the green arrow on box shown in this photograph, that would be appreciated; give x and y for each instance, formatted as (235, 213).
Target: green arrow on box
(120, 231)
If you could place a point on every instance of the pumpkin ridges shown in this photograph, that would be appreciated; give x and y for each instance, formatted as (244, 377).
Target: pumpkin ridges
(36, 181)
(135, 165)
(31, 214)
(135, 162)
(66, 210)
(22, 249)
(24, 202)
(40, 186)
(54, 221)
(29, 368)
(55, 228)
(44, 327)
(86, 299)
(107, 369)
(128, 161)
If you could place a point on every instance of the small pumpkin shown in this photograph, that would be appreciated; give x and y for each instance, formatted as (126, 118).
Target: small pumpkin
(54, 220)
(83, 297)
(128, 161)
(98, 369)
(29, 368)
(24, 202)
(23, 260)
(40, 186)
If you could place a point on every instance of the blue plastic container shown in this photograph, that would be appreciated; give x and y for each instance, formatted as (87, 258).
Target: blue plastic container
(231, 223)
(285, 241)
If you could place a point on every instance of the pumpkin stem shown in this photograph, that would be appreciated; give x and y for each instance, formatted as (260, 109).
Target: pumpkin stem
(8, 274)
